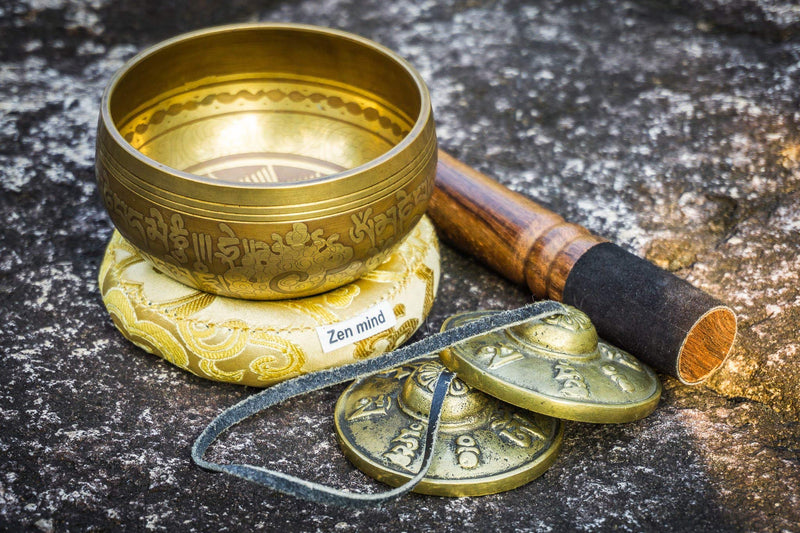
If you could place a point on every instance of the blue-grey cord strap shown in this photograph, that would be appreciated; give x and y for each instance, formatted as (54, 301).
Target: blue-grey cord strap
(276, 394)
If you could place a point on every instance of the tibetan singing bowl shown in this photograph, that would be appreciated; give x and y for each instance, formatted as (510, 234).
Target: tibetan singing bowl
(266, 161)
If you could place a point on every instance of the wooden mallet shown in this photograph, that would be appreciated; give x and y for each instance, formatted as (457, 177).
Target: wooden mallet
(660, 318)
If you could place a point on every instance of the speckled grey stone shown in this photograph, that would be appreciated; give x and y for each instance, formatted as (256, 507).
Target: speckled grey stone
(669, 127)
(773, 19)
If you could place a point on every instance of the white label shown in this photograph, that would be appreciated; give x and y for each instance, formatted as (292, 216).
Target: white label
(374, 320)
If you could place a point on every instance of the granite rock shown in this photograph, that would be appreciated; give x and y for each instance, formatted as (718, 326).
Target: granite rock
(669, 127)
(777, 20)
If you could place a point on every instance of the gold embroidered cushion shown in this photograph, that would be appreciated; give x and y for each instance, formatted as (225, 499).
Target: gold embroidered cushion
(259, 343)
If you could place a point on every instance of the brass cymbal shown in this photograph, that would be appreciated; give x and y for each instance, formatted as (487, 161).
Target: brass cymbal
(484, 446)
(555, 366)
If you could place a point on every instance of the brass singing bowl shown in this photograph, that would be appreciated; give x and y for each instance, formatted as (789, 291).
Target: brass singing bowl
(266, 161)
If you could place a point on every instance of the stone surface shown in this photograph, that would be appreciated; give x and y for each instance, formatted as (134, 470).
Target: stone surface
(774, 19)
(670, 128)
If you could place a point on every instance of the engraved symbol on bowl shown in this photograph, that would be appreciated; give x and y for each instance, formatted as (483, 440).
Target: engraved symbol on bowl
(265, 168)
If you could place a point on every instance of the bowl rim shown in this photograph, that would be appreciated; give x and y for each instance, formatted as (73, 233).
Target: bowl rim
(420, 123)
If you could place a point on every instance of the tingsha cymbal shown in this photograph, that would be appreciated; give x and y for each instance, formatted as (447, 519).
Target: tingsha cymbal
(484, 445)
(555, 366)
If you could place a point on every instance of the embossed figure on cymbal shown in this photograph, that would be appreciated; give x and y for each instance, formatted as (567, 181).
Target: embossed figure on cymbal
(484, 446)
(556, 366)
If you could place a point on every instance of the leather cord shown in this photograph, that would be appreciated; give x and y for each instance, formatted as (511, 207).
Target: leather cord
(276, 394)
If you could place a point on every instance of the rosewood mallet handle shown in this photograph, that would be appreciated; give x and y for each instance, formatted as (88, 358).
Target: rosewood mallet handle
(663, 320)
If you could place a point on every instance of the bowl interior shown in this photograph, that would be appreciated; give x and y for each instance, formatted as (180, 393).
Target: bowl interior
(265, 104)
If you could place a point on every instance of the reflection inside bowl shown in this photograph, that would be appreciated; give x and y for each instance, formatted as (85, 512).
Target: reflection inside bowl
(266, 130)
